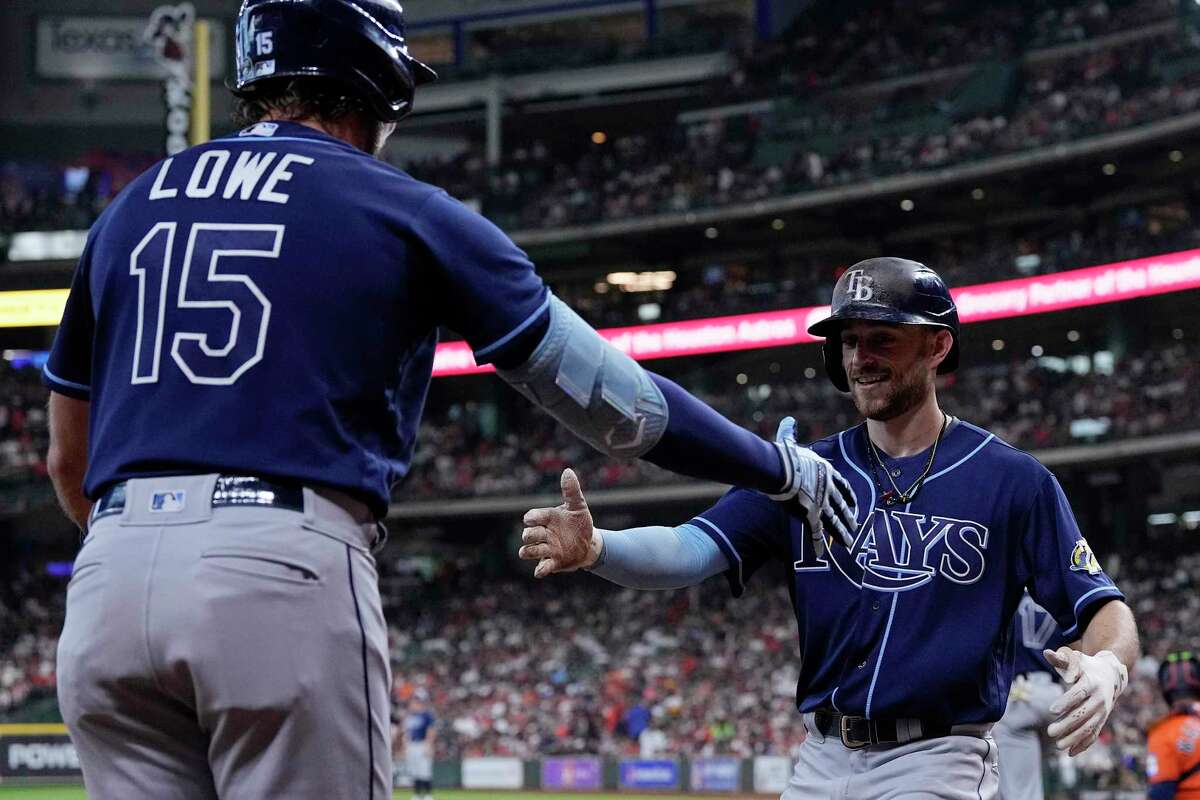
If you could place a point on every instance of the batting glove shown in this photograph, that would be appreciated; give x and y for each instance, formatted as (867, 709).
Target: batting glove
(829, 504)
(1096, 682)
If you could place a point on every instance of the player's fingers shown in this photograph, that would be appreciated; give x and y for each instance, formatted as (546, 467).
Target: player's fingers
(843, 515)
(1085, 739)
(1063, 726)
(545, 567)
(1065, 661)
(1070, 700)
(534, 552)
(1072, 719)
(845, 494)
(572, 494)
(832, 526)
(786, 432)
(538, 516)
(1057, 661)
(818, 540)
(1080, 738)
(535, 535)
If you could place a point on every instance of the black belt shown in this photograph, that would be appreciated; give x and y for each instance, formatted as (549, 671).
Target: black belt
(230, 490)
(859, 732)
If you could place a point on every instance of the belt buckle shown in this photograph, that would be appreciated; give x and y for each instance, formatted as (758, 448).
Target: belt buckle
(847, 742)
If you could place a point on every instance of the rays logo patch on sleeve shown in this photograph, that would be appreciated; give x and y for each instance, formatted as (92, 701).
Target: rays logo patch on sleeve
(1083, 559)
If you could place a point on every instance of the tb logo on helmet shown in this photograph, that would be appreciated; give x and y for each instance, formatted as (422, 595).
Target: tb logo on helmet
(858, 287)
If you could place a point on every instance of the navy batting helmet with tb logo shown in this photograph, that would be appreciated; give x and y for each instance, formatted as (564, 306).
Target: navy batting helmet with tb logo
(886, 290)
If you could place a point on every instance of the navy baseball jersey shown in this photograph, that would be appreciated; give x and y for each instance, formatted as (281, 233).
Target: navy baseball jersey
(915, 619)
(275, 297)
(1034, 630)
(417, 725)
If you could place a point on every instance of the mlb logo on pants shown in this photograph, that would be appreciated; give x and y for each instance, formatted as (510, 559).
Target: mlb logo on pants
(167, 502)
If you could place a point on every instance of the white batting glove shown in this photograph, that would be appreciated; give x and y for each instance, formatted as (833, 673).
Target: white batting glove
(826, 497)
(1096, 682)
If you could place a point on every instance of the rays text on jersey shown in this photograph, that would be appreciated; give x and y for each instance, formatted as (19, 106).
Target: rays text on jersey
(254, 175)
(896, 551)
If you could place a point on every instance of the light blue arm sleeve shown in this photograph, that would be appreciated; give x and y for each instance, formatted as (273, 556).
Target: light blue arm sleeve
(658, 557)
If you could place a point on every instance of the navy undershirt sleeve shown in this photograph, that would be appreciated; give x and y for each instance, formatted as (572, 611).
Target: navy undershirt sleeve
(700, 442)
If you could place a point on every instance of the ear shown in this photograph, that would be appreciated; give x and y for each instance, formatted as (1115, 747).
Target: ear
(942, 341)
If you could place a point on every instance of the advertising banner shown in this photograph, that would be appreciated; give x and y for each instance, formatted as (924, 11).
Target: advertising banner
(572, 773)
(493, 773)
(771, 774)
(657, 774)
(106, 48)
(716, 774)
(38, 756)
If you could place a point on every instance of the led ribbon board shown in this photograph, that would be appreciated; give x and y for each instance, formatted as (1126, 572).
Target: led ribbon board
(1126, 280)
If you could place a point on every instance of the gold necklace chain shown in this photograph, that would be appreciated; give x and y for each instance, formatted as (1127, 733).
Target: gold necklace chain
(896, 496)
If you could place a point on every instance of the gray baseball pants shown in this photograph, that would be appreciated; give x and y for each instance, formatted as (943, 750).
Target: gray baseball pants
(236, 653)
(944, 768)
(1018, 735)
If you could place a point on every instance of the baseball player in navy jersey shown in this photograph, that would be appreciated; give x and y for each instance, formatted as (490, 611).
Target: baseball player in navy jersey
(235, 389)
(905, 661)
(418, 746)
(1035, 689)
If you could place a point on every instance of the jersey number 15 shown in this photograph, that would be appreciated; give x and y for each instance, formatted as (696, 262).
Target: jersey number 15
(217, 321)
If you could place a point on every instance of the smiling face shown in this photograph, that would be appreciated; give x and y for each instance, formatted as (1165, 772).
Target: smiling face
(890, 366)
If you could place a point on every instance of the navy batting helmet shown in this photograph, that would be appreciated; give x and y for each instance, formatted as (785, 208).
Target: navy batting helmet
(1179, 674)
(358, 42)
(886, 290)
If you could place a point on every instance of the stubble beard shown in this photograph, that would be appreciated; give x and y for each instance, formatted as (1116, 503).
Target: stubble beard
(907, 395)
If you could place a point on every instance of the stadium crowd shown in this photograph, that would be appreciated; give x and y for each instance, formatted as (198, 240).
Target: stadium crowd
(465, 449)
(739, 159)
(578, 666)
(908, 37)
(31, 616)
(746, 159)
(24, 438)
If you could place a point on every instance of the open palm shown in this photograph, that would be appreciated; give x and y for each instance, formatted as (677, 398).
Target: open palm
(560, 539)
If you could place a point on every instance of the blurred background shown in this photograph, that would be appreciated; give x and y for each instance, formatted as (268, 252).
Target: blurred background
(668, 163)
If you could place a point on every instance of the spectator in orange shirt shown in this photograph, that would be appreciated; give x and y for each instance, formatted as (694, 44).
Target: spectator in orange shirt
(1173, 763)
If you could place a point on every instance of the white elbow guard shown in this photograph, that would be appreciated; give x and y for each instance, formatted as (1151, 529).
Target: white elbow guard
(597, 391)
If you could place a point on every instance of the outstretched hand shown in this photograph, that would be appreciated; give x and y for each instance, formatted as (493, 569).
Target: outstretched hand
(562, 538)
(815, 491)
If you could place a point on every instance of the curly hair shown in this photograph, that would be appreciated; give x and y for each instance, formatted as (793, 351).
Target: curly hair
(299, 98)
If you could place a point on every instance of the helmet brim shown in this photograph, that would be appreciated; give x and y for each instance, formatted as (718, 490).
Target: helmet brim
(833, 323)
(422, 73)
